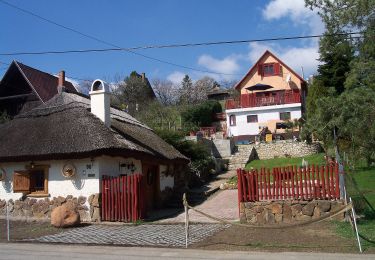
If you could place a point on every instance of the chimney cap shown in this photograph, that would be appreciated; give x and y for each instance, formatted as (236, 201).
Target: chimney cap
(99, 85)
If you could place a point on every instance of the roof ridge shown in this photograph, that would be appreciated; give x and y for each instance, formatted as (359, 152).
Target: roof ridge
(35, 69)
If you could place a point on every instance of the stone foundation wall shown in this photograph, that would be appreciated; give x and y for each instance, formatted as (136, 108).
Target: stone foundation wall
(286, 148)
(40, 209)
(277, 212)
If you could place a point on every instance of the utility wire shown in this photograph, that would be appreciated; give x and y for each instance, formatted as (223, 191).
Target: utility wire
(178, 45)
(132, 49)
(108, 43)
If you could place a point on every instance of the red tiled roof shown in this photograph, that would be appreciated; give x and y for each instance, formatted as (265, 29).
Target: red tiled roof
(44, 84)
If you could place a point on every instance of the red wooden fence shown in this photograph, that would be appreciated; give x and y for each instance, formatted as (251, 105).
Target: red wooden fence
(302, 183)
(122, 198)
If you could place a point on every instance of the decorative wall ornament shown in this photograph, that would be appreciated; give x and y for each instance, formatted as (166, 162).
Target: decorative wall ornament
(68, 170)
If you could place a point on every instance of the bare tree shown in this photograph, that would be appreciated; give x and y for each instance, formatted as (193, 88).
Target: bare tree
(166, 91)
(201, 87)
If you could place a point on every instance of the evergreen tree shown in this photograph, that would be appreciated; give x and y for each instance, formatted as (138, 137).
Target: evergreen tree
(186, 90)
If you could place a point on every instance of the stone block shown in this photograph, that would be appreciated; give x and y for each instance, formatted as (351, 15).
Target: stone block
(95, 201)
(317, 213)
(287, 213)
(279, 218)
(81, 200)
(60, 200)
(95, 215)
(308, 210)
(62, 216)
(296, 209)
(302, 217)
(324, 205)
(91, 197)
(276, 208)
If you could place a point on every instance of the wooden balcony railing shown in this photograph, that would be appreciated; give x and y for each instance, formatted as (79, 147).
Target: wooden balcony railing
(251, 100)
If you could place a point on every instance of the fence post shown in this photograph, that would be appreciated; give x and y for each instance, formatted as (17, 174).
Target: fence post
(8, 228)
(355, 225)
(186, 219)
(239, 189)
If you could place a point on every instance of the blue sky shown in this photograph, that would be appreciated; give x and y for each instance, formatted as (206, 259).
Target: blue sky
(141, 22)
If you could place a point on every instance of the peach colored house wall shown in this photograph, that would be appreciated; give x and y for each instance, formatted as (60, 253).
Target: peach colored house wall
(278, 82)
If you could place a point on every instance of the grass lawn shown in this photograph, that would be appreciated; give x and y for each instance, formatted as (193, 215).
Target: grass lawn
(281, 162)
(361, 187)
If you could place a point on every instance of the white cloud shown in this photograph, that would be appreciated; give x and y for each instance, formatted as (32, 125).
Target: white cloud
(294, 57)
(176, 77)
(227, 66)
(296, 11)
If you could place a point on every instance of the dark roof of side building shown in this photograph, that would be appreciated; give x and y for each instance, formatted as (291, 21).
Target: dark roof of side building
(64, 128)
(44, 84)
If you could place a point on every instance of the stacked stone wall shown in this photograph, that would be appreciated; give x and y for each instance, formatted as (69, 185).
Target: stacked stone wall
(286, 148)
(288, 211)
(40, 209)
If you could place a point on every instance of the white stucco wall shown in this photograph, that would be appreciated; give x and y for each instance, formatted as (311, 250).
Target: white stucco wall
(84, 183)
(165, 181)
(111, 165)
(264, 114)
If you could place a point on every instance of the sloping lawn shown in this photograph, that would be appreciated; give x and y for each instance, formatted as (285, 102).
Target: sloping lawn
(281, 162)
(361, 187)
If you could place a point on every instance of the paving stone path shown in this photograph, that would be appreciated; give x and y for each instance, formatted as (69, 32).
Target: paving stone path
(223, 204)
(140, 235)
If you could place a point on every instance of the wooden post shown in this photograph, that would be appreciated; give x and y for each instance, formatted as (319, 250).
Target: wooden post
(8, 227)
(186, 220)
(239, 189)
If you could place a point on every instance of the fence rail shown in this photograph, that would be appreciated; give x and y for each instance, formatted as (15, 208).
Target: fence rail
(121, 198)
(302, 183)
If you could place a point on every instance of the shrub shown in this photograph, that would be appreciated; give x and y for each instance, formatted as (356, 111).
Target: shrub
(201, 115)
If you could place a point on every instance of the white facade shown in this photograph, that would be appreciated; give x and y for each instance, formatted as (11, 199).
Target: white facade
(84, 183)
(265, 115)
(89, 172)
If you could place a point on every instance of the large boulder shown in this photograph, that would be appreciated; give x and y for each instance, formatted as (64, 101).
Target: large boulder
(64, 216)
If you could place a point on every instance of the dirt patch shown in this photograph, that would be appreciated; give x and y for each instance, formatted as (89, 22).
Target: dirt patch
(20, 230)
(318, 237)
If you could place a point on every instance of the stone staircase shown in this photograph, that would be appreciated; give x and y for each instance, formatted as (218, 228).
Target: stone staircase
(240, 157)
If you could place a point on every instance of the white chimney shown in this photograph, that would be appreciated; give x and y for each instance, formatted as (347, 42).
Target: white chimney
(100, 101)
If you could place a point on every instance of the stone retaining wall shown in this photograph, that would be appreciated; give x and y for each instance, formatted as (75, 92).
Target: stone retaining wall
(287, 148)
(276, 212)
(40, 209)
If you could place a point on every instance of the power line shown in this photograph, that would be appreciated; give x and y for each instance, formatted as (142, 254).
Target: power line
(132, 49)
(108, 43)
(178, 45)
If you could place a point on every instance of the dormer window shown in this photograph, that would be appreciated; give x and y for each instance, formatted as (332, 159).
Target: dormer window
(269, 69)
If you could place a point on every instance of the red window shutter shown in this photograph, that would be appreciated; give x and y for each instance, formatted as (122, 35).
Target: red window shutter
(21, 181)
(276, 68)
(260, 69)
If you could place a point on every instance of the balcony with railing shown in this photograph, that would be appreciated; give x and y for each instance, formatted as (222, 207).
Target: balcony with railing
(260, 99)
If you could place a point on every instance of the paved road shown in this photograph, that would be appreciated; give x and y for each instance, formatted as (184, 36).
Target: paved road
(45, 251)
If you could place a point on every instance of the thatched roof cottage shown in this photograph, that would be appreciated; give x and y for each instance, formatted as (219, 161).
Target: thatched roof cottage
(64, 149)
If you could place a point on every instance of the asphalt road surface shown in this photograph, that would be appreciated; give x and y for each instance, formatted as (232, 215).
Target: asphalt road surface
(60, 251)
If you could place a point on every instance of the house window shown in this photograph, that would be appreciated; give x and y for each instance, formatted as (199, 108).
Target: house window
(252, 118)
(284, 116)
(269, 69)
(232, 120)
(33, 181)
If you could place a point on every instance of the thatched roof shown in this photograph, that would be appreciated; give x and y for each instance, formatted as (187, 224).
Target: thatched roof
(64, 128)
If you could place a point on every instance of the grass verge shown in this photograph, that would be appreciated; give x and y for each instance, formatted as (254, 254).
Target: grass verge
(281, 162)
